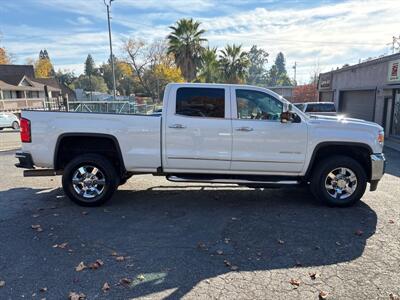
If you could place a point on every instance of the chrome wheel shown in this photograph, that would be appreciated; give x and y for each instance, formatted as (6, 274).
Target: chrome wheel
(88, 181)
(341, 183)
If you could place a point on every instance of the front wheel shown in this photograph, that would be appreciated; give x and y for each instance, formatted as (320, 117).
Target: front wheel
(338, 181)
(90, 180)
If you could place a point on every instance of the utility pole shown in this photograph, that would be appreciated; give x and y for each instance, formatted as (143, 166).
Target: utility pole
(395, 40)
(295, 71)
(111, 52)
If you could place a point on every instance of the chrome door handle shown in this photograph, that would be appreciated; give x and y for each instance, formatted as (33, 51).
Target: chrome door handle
(177, 126)
(244, 129)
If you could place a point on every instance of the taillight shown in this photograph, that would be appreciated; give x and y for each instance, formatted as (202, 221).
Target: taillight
(25, 126)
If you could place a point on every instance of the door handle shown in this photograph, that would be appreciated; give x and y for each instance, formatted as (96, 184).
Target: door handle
(244, 129)
(177, 126)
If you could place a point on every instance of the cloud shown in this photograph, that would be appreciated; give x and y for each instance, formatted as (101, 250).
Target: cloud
(328, 33)
(80, 21)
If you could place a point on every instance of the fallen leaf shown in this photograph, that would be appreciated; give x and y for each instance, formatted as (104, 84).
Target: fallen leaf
(391, 222)
(36, 226)
(2, 283)
(281, 242)
(227, 263)
(359, 232)
(105, 287)
(295, 282)
(234, 268)
(323, 295)
(35, 215)
(220, 252)
(63, 245)
(314, 275)
(76, 296)
(43, 289)
(97, 264)
(80, 267)
(393, 297)
(119, 258)
(338, 243)
(140, 277)
(85, 213)
(125, 281)
(201, 245)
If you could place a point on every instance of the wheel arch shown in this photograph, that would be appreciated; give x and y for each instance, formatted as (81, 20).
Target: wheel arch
(358, 151)
(59, 165)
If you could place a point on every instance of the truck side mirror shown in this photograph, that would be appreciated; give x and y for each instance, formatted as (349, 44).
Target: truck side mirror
(289, 116)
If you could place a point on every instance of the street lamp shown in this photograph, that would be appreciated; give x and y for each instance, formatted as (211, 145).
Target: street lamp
(111, 52)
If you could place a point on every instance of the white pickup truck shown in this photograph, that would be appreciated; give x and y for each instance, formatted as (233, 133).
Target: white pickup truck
(214, 133)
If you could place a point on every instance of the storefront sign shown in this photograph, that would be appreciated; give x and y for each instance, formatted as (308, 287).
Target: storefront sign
(394, 71)
(325, 81)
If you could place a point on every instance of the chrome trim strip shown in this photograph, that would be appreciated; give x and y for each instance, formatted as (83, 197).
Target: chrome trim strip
(232, 181)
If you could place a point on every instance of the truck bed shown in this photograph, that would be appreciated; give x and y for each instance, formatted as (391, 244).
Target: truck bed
(138, 136)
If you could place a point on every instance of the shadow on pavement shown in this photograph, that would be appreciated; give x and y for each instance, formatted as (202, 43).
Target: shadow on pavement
(392, 162)
(176, 237)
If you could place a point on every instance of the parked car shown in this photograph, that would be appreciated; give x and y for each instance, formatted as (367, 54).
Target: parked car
(317, 108)
(214, 133)
(8, 120)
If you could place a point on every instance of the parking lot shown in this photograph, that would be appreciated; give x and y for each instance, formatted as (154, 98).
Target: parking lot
(159, 240)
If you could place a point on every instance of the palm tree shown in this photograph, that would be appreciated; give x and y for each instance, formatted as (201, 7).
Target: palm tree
(234, 64)
(185, 43)
(209, 71)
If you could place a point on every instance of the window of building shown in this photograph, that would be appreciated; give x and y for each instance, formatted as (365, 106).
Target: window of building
(201, 102)
(321, 107)
(255, 105)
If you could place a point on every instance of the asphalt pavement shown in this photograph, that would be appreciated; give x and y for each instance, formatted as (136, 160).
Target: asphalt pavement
(162, 240)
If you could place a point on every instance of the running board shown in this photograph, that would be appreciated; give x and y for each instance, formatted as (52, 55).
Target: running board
(246, 182)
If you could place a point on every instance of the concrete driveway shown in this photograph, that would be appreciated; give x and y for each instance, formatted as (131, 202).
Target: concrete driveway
(158, 240)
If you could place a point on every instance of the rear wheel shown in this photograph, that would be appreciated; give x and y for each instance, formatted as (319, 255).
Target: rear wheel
(339, 181)
(15, 125)
(90, 180)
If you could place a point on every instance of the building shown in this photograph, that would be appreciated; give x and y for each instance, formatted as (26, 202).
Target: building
(19, 89)
(369, 90)
(285, 91)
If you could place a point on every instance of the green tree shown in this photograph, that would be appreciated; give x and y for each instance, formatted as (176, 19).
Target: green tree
(65, 77)
(234, 64)
(209, 70)
(280, 63)
(95, 83)
(277, 75)
(185, 43)
(257, 71)
(89, 66)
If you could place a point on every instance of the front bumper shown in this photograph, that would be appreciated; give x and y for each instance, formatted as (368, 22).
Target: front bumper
(378, 163)
(25, 160)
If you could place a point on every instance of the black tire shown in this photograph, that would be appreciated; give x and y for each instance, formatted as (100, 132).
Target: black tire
(320, 179)
(106, 173)
(15, 125)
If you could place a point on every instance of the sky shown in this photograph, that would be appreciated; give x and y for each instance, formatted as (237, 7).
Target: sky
(317, 35)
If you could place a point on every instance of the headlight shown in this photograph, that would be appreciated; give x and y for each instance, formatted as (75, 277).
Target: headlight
(381, 137)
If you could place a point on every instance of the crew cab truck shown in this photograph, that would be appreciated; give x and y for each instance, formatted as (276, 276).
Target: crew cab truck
(214, 133)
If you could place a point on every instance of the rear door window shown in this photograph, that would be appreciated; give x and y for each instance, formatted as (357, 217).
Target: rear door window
(201, 102)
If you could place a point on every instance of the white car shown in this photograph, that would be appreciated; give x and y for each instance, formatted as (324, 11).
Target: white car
(318, 108)
(214, 133)
(8, 121)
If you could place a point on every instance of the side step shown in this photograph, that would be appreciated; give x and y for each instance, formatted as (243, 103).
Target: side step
(256, 181)
(41, 172)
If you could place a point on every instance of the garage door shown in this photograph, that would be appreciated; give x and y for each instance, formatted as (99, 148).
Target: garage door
(358, 104)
